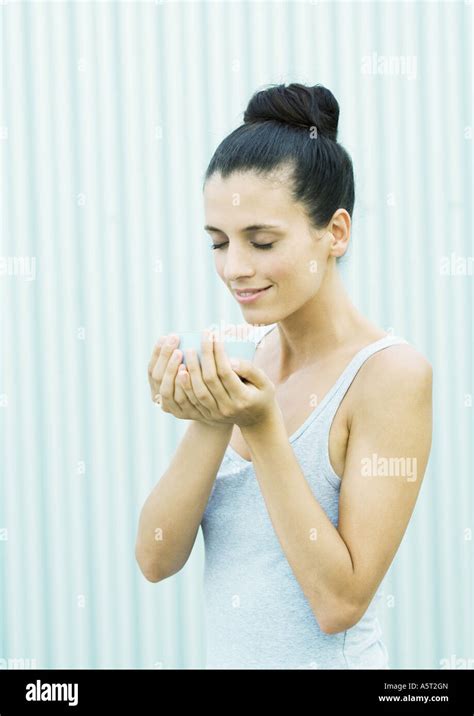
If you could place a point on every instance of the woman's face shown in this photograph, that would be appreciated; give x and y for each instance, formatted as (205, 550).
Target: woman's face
(246, 212)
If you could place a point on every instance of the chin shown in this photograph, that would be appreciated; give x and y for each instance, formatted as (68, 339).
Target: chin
(260, 322)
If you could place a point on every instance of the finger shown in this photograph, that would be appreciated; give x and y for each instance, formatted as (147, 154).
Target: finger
(198, 385)
(165, 354)
(227, 376)
(182, 399)
(151, 365)
(155, 355)
(247, 370)
(209, 371)
(183, 384)
(183, 381)
(168, 381)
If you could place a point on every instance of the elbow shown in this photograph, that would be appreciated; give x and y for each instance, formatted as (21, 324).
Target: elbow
(339, 620)
(152, 568)
(147, 568)
(150, 575)
(336, 626)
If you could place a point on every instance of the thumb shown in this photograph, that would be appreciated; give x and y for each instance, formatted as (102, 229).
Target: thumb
(246, 369)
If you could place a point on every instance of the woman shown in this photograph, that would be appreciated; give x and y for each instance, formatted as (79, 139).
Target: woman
(304, 466)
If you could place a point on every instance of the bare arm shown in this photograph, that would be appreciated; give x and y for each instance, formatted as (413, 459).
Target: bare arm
(170, 518)
(340, 570)
(171, 515)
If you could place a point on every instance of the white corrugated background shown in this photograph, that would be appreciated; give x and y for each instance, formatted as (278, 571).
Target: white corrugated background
(110, 114)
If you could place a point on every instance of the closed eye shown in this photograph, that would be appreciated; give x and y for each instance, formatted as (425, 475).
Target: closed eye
(258, 246)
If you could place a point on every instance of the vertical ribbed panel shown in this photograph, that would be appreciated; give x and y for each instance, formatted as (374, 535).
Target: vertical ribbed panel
(110, 114)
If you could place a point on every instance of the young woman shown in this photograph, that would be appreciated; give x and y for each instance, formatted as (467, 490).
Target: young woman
(303, 466)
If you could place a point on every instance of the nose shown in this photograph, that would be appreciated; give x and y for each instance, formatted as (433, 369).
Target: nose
(237, 263)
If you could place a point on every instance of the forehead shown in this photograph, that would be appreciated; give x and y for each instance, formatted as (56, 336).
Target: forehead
(248, 196)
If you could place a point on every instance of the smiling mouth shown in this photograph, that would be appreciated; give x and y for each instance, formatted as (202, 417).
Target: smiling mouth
(250, 291)
(250, 296)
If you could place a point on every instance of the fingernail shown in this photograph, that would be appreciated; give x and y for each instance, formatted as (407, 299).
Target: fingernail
(171, 340)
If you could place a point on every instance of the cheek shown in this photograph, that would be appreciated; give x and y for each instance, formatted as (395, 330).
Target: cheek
(280, 267)
(218, 264)
(301, 273)
(287, 268)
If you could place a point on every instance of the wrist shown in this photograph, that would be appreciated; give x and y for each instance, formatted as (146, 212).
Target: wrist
(271, 421)
(223, 428)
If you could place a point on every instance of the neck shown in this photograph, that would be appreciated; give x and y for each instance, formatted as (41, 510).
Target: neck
(325, 323)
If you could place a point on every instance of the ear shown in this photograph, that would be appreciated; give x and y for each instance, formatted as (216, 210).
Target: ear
(340, 230)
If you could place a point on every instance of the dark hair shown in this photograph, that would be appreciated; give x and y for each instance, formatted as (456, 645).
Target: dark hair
(294, 125)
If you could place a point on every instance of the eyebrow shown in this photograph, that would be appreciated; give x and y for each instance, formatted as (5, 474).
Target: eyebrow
(248, 229)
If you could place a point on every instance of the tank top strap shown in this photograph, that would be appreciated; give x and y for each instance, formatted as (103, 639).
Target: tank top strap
(334, 397)
(329, 404)
(260, 332)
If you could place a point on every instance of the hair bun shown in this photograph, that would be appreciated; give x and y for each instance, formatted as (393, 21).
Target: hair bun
(296, 105)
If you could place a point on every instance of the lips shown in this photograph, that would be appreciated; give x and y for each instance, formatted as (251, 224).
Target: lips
(250, 295)
(250, 291)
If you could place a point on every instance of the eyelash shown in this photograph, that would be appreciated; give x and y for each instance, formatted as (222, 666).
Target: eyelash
(258, 246)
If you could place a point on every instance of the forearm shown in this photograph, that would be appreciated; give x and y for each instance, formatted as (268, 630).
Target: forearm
(170, 518)
(315, 550)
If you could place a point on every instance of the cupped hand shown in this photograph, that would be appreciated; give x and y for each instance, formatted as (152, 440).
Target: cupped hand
(211, 390)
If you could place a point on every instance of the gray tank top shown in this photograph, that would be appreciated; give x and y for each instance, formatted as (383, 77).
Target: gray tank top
(256, 614)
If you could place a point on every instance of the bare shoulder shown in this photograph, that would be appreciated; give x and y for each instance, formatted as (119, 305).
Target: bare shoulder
(399, 361)
(394, 372)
